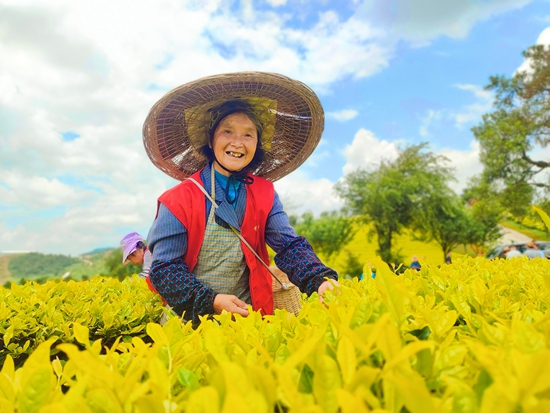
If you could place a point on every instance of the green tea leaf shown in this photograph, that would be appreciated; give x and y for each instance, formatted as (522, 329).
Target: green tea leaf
(188, 379)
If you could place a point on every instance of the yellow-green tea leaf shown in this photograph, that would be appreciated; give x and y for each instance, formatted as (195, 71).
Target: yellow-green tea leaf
(393, 295)
(81, 334)
(325, 383)
(526, 337)
(346, 359)
(7, 391)
(204, 400)
(35, 390)
(412, 390)
(156, 332)
(8, 335)
(8, 368)
(6, 406)
(544, 216)
(349, 403)
(103, 400)
(57, 367)
(149, 404)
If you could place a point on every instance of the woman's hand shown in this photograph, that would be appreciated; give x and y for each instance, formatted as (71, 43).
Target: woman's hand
(231, 304)
(327, 285)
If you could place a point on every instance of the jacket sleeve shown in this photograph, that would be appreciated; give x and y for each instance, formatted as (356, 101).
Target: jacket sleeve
(170, 274)
(295, 256)
(181, 290)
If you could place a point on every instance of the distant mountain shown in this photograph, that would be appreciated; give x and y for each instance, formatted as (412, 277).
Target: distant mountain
(36, 265)
(40, 267)
(98, 251)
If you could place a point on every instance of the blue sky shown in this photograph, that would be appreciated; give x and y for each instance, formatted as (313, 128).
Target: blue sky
(77, 79)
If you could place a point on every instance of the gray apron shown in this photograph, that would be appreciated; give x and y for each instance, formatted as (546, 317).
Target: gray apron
(221, 264)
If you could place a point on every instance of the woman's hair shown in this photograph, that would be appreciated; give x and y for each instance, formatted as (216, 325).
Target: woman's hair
(225, 109)
(140, 245)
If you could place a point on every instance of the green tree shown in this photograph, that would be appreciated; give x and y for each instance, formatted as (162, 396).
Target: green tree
(115, 268)
(392, 196)
(486, 210)
(446, 222)
(353, 266)
(512, 135)
(327, 234)
(517, 199)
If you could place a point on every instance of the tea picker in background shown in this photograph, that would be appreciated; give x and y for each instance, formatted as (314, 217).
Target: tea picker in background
(227, 137)
(415, 265)
(136, 252)
(532, 250)
(513, 252)
(536, 247)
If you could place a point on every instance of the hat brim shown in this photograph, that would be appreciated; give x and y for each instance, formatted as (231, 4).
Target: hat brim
(299, 122)
(125, 260)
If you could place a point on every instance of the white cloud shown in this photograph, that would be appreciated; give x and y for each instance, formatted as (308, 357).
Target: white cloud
(420, 21)
(474, 111)
(299, 193)
(461, 116)
(466, 164)
(366, 151)
(101, 222)
(543, 39)
(37, 192)
(343, 115)
(426, 121)
(276, 3)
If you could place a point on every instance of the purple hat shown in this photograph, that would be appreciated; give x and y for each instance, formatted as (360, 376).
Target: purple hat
(128, 245)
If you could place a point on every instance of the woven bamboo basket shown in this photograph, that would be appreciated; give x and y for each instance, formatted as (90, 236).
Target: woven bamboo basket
(288, 299)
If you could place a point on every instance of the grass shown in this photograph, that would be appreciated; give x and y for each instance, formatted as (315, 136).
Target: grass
(405, 245)
(89, 266)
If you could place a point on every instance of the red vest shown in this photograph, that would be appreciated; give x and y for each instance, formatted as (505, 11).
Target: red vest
(187, 203)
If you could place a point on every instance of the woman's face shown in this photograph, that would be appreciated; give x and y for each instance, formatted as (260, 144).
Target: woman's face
(136, 257)
(234, 142)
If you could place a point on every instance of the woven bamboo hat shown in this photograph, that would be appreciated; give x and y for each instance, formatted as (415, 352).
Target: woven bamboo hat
(178, 125)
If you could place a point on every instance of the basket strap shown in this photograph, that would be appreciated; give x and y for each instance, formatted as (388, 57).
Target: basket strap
(284, 285)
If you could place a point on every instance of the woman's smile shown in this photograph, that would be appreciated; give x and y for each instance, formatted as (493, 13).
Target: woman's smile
(234, 143)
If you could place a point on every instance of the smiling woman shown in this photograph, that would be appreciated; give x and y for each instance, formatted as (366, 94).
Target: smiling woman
(224, 135)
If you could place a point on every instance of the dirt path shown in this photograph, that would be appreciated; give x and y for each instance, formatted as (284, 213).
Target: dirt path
(511, 236)
(4, 272)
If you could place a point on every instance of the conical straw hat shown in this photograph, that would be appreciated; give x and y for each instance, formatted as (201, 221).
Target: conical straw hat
(178, 124)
